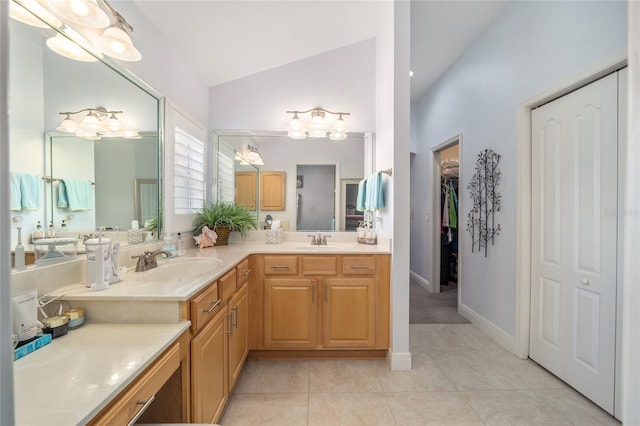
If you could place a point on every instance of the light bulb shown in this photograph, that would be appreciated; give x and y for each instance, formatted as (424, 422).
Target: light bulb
(90, 122)
(297, 134)
(79, 8)
(116, 43)
(296, 123)
(113, 124)
(340, 126)
(65, 47)
(68, 125)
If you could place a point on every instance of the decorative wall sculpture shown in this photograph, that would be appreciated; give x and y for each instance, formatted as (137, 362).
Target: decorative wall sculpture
(486, 201)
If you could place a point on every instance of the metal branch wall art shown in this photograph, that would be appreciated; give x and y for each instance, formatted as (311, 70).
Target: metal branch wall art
(486, 201)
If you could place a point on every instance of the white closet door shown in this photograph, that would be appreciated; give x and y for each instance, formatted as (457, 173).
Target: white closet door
(574, 201)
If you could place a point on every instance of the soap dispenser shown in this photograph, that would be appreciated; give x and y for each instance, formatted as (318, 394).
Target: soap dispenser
(181, 249)
(37, 234)
(169, 244)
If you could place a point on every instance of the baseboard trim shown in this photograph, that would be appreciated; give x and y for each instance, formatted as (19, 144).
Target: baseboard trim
(399, 361)
(505, 340)
(423, 282)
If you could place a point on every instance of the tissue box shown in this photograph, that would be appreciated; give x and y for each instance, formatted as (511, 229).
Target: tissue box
(135, 236)
(274, 236)
(37, 343)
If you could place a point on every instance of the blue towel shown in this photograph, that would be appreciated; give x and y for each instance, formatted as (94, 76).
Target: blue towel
(362, 195)
(375, 197)
(30, 191)
(15, 199)
(75, 194)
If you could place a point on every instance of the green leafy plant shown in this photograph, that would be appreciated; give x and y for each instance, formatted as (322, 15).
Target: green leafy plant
(225, 213)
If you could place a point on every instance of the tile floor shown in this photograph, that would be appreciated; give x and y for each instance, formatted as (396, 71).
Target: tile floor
(459, 377)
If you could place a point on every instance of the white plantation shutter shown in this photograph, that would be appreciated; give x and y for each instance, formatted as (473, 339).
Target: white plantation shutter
(188, 173)
(226, 173)
(185, 158)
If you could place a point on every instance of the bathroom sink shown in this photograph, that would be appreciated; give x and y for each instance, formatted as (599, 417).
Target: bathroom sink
(334, 246)
(181, 269)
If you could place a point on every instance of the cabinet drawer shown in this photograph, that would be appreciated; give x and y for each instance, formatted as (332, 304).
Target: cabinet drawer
(227, 285)
(243, 272)
(358, 265)
(204, 307)
(142, 392)
(319, 265)
(281, 265)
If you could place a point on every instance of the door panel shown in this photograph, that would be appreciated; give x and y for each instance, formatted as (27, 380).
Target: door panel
(574, 243)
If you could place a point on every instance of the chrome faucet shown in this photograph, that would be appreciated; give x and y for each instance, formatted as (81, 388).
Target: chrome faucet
(147, 260)
(319, 240)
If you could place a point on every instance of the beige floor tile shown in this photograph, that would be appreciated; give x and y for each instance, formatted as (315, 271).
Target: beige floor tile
(424, 376)
(431, 408)
(349, 409)
(474, 370)
(447, 337)
(525, 373)
(575, 409)
(266, 409)
(510, 408)
(274, 376)
(346, 375)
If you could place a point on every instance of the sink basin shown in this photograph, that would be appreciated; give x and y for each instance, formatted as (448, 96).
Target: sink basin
(181, 269)
(334, 246)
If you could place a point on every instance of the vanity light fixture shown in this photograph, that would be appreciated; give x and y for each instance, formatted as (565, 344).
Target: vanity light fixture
(96, 124)
(85, 17)
(318, 126)
(253, 156)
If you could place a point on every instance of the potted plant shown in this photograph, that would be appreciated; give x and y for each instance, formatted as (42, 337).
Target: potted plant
(223, 217)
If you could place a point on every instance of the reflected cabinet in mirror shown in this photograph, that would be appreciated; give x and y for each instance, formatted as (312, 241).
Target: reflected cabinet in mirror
(83, 136)
(316, 176)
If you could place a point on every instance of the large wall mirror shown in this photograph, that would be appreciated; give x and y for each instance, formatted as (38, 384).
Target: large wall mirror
(319, 176)
(108, 179)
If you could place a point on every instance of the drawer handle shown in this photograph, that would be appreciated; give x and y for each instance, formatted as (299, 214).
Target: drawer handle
(359, 267)
(230, 316)
(215, 305)
(235, 309)
(145, 405)
(280, 267)
(247, 272)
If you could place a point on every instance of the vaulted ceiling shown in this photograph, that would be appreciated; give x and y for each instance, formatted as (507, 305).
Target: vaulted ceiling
(227, 40)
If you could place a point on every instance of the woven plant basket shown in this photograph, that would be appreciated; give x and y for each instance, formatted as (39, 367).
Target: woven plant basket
(223, 235)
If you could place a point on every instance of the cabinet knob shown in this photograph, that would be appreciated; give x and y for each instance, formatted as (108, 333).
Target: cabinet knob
(584, 281)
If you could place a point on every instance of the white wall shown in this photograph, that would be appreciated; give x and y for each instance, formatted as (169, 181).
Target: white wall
(532, 46)
(338, 80)
(162, 67)
(631, 290)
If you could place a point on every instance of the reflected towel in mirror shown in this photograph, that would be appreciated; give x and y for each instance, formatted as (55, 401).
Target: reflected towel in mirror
(75, 194)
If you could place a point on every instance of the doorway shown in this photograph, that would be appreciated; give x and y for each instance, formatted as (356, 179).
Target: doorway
(440, 301)
(315, 197)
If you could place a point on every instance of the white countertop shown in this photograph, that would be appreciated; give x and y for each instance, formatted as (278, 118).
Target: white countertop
(71, 379)
(181, 287)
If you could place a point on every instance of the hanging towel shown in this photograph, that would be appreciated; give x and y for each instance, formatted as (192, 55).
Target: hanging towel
(362, 195)
(375, 198)
(30, 191)
(75, 194)
(15, 198)
(445, 208)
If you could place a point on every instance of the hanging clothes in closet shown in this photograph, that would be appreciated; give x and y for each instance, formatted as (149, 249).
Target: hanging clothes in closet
(449, 231)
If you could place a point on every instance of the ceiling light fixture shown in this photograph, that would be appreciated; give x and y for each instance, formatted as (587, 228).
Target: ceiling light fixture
(318, 127)
(96, 124)
(84, 16)
(253, 156)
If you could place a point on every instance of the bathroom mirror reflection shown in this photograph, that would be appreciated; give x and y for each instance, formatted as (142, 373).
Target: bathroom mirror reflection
(42, 84)
(349, 159)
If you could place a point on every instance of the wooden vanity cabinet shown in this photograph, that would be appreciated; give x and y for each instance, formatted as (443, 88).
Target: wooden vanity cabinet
(321, 302)
(219, 346)
(159, 395)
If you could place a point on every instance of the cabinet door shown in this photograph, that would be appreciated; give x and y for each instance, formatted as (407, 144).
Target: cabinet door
(272, 186)
(238, 336)
(246, 189)
(290, 313)
(348, 316)
(208, 367)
